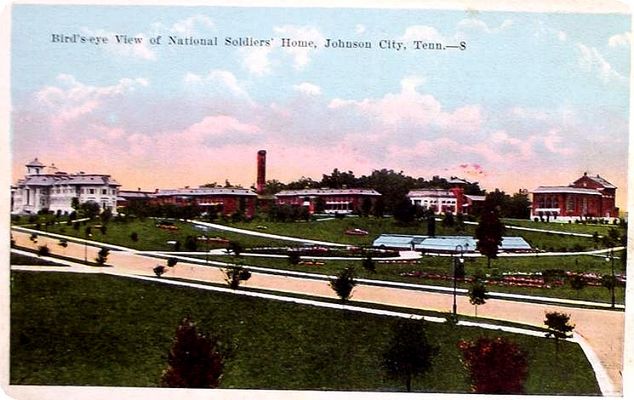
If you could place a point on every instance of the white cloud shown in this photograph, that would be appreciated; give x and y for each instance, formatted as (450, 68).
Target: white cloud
(72, 98)
(623, 39)
(256, 60)
(188, 26)
(592, 61)
(308, 89)
(220, 78)
(301, 55)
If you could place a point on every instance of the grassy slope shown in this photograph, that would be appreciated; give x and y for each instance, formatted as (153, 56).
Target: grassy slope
(101, 330)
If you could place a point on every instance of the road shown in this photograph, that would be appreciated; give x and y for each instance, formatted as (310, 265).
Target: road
(602, 329)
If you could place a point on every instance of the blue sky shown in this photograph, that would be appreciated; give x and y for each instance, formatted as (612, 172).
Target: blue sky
(542, 96)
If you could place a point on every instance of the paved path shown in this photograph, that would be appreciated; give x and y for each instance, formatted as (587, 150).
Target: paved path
(602, 329)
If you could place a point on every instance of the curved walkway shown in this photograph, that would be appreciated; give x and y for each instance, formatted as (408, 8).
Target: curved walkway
(602, 329)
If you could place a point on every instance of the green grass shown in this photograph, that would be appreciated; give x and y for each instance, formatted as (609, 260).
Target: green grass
(102, 330)
(19, 259)
(442, 265)
(150, 237)
(601, 229)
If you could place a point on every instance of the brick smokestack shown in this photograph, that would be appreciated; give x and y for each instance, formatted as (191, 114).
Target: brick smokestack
(261, 181)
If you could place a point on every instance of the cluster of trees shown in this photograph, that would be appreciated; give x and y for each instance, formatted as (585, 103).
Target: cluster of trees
(392, 185)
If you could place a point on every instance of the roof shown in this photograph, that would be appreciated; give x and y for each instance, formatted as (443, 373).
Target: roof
(474, 197)
(600, 181)
(431, 193)
(566, 189)
(67, 179)
(205, 192)
(135, 194)
(445, 244)
(328, 192)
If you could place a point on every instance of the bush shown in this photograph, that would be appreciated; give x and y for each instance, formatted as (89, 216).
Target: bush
(134, 237)
(496, 366)
(235, 275)
(171, 261)
(43, 251)
(344, 283)
(159, 270)
(368, 264)
(102, 256)
(103, 229)
(294, 258)
(195, 360)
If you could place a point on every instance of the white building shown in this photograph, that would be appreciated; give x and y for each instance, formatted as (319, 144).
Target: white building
(438, 200)
(54, 190)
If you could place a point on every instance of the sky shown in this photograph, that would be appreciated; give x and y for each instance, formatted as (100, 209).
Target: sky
(534, 98)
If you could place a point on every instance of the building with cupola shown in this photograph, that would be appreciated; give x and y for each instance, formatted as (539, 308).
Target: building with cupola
(47, 188)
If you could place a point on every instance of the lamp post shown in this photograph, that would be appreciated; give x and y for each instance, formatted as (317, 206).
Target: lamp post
(610, 258)
(458, 249)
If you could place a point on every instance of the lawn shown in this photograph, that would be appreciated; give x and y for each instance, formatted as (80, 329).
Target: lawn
(442, 265)
(71, 329)
(601, 229)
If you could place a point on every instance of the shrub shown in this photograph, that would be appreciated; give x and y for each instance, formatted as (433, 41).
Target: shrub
(103, 229)
(159, 270)
(171, 261)
(102, 256)
(134, 237)
(368, 264)
(496, 366)
(43, 250)
(344, 283)
(195, 360)
(294, 258)
(235, 275)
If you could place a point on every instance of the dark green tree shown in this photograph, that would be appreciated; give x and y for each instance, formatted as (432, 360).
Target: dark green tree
(195, 360)
(577, 282)
(431, 224)
(404, 211)
(172, 261)
(344, 283)
(478, 295)
(235, 275)
(409, 353)
(43, 251)
(368, 264)
(134, 236)
(559, 326)
(448, 220)
(489, 234)
(102, 256)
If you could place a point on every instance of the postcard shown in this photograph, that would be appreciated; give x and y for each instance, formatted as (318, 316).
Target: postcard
(316, 200)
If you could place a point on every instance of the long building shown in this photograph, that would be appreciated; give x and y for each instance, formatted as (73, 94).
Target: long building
(46, 188)
(329, 201)
(226, 201)
(587, 197)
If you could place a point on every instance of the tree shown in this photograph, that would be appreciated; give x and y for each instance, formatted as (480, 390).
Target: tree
(404, 211)
(431, 225)
(496, 366)
(577, 282)
(90, 209)
(477, 295)
(558, 326)
(103, 229)
(293, 257)
(195, 360)
(172, 261)
(409, 353)
(106, 215)
(489, 234)
(344, 283)
(190, 243)
(448, 220)
(368, 264)
(102, 256)
(235, 275)
(235, 247)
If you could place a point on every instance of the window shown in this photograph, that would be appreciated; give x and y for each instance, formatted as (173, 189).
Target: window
(104, 191)
(91, 191)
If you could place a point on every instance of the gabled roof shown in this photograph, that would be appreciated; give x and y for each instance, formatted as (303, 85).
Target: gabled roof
(328, 192)
(205, 192)
(601, 181)
(566, 189)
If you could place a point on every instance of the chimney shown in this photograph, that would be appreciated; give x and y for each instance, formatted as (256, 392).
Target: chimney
(261, 178)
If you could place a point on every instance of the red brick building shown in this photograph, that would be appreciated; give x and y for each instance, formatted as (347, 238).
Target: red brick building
(223, 200)
(587, 197)
(341, 201)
